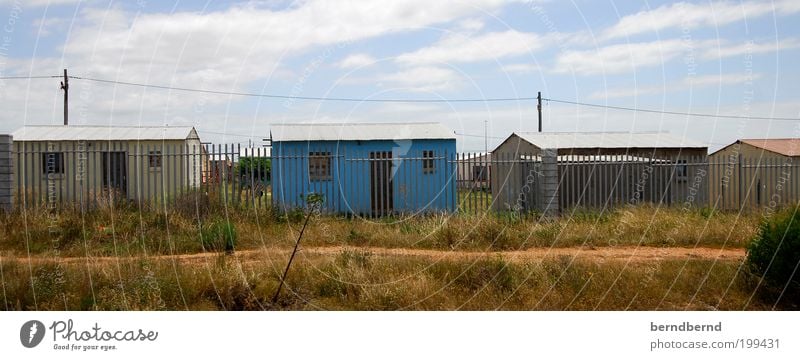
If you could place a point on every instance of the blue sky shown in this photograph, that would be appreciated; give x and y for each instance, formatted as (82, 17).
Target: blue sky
(721, 57)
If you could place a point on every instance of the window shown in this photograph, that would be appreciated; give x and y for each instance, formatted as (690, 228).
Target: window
(154, 158)
(53, 163)
(319, 166)
(682, 170)
(427, 162)
(479, 173)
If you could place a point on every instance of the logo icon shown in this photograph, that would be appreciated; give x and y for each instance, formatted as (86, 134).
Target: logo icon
(31, 333)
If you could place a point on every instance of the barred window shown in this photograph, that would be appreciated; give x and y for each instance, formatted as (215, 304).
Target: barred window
(53, 163)
(319, 166)
(427, 162)
(154, 158)
(682, 170)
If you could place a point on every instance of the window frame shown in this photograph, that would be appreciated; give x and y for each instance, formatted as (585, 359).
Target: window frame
(319, 166)
(155, 154)
(682, 170)
(59, 167)
(428, 162)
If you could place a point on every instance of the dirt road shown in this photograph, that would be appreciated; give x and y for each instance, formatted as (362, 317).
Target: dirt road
(622, 253)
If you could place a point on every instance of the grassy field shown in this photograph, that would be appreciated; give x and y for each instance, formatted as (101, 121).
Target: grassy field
(127, 259)
(360, 280)
(130, 232)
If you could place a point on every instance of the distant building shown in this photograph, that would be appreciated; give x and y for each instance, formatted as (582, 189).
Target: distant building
(474, 170)
(219, 167)
(72, 162)
(368, 169)
(594, 167)
(755, 172)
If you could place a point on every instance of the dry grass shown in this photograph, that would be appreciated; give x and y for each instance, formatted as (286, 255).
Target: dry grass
(355, 279)
(129, 231)
(359, 279)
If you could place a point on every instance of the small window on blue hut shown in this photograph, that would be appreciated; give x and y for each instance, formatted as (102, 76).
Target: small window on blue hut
(427, 162)
(319, 166)
(154, 158)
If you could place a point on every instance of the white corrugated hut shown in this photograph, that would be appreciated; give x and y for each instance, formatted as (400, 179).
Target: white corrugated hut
(516, 158)
(70, 162)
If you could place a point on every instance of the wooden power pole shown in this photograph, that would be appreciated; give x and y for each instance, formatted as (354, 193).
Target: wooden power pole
(65, 87)
(538, 107)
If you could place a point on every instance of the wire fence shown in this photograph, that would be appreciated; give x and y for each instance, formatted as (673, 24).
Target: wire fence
(382, 182)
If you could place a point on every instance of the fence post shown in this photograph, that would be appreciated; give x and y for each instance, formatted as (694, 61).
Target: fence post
(740, 181)
(6, 172)
(549, 183)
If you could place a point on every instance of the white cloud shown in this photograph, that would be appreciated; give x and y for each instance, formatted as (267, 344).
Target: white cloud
(242, 43)
(424, 78)
(46, 26)
(714, 53)
(721, 79)
(356, 61)
(686, 15)
(522, 68)
(226, 50)
(37, 3)
(619, 58)
(470, 26)
(691, 82)
(457, 48)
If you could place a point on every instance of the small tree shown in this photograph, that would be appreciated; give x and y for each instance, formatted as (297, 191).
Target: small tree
(313, 205)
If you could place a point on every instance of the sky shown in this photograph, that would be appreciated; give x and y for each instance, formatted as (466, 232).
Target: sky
(719, 57)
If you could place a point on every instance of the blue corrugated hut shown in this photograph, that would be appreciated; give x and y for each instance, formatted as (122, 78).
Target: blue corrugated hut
(365, 169)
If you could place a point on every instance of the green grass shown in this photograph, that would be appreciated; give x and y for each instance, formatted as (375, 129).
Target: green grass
(474, 200)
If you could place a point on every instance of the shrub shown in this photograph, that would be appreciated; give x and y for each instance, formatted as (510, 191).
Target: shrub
(446, 236)
(774, 254)
(219, 235)
(356, 237)
(192, 204)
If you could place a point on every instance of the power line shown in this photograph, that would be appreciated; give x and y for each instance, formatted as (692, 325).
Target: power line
(672, 112)
(395, 100)
(294, 97)
(479, 136)
(29, 77)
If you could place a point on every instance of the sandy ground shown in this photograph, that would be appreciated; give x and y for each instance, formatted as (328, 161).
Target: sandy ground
(600, 254)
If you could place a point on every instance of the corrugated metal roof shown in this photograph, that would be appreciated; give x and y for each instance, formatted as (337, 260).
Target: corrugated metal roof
(608, 140)
(787, 147)
(94, 133)
(354, 131)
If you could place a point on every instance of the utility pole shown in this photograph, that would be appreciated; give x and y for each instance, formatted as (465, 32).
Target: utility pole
(65, 87)
(485, 137)
(539, 107)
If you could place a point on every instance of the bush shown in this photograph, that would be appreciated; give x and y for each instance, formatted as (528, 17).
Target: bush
(775, 252)
(192, 204)
(219, 235)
